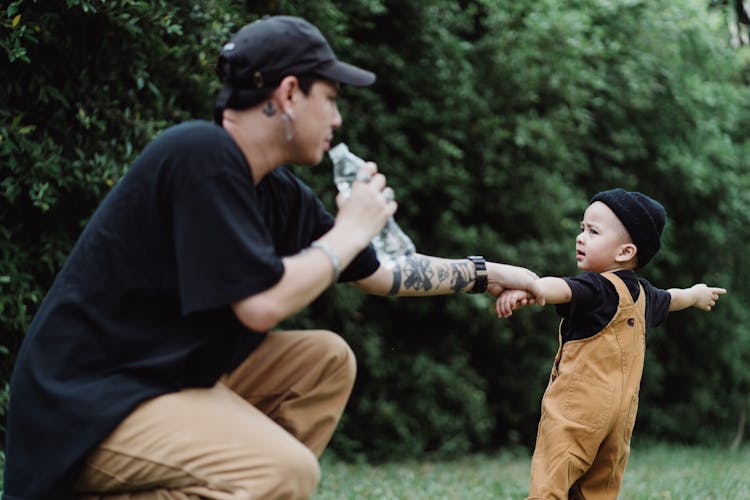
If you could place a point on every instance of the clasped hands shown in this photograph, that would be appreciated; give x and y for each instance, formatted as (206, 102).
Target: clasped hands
(513, 287)
(510, 300)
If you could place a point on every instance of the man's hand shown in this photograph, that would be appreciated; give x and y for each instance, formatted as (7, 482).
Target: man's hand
(364, 211)
(501, 277)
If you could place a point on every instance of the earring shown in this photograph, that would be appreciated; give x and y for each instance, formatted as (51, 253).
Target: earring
(287, 117)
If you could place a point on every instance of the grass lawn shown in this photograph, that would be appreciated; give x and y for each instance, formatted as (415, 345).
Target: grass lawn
(655, 471)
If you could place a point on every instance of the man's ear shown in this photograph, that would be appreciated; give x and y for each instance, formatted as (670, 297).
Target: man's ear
(286, 92)
(626, 252)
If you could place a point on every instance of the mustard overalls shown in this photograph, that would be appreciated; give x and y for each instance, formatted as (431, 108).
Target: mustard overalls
(589, 408)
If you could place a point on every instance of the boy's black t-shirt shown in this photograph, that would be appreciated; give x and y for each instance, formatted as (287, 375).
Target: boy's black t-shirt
(595, 301)
(142, 305)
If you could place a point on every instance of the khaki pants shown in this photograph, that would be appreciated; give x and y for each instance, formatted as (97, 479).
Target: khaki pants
(256, 434)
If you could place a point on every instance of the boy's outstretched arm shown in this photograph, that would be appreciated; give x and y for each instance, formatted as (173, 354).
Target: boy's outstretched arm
(699, 296)
(545, 290)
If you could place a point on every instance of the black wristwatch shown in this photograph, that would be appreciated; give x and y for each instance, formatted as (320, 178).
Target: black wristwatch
(480, 284)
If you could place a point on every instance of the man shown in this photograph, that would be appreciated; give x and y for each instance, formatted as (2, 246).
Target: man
(151, 369)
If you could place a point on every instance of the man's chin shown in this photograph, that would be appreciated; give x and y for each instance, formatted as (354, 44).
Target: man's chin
(310, 160)
(316, 158)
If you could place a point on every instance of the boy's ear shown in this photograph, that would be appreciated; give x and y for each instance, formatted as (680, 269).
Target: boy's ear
(627, 252)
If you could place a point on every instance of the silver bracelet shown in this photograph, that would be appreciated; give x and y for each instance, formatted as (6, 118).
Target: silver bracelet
(326, 249)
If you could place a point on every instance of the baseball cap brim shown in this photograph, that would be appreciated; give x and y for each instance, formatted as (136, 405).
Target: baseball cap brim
(348, 74)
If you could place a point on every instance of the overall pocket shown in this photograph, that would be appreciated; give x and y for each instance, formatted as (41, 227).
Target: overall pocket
(588, 402)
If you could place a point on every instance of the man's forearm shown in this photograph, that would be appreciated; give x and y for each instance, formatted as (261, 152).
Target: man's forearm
(419, 275)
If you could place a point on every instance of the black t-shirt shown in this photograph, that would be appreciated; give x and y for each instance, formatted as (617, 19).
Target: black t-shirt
(142, 306)
(595, 302)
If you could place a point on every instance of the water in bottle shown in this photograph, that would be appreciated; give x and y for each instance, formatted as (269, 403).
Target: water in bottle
(391, 244)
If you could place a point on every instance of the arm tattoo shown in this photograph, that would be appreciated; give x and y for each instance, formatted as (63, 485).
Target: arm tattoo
(461, 275)
(422, 273)
(396, 280)
(268, 109)
(418, 273)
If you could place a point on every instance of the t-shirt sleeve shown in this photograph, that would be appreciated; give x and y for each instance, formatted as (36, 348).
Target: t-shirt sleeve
(658, 301)
(223, 249)
(587, 290)
(363, 265)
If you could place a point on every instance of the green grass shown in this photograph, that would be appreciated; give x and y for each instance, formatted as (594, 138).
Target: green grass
(658, 472)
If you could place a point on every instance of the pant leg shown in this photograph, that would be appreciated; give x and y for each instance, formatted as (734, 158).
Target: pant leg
(604, 479)
(302, 380)
(199, 443)
(558, 460)
(575, 420)
(250, 436)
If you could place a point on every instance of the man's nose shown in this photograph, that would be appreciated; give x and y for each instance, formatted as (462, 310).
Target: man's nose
(337, 119)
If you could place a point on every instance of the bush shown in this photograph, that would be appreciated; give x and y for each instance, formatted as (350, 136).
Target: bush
(86, 85)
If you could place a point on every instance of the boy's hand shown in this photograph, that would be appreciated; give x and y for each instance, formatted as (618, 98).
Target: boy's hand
(705, 297)
(510, 300)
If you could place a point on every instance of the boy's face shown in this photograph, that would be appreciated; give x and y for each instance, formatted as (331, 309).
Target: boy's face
(602, 241)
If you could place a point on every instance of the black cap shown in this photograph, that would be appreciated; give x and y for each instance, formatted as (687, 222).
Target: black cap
(263, 52)
(642, 216)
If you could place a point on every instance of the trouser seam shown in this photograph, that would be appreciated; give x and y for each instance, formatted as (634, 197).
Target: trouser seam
(134, 457)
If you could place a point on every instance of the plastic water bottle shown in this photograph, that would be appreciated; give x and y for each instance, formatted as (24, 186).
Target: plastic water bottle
(391, 244)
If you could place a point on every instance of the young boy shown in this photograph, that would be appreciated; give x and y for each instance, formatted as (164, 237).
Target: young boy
(589, 407)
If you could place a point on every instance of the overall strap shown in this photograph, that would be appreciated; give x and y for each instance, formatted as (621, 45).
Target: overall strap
(626, 299)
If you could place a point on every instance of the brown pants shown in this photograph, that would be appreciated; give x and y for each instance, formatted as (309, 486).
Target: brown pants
(589, 408)
(256, 434)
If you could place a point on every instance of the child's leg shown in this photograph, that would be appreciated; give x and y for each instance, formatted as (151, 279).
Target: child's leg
(575, 420)
(558, 460)
(604, 479)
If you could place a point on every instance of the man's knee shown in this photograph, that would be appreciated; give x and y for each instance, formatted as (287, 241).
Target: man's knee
(333, 349)
(294, 473)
